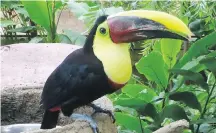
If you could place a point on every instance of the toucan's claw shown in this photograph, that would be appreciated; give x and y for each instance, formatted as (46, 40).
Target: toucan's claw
(87, 118)
(98, 109)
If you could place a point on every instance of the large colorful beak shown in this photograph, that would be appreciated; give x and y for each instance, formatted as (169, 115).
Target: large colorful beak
(136, 25)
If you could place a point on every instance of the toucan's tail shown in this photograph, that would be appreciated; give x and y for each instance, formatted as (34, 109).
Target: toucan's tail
(50, 119)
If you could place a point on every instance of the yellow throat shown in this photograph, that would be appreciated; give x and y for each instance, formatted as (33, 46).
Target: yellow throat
(115, 57)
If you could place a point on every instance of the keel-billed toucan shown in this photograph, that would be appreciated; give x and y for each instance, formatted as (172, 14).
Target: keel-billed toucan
(103, 65)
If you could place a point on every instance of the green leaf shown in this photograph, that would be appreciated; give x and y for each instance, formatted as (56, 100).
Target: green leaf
(150, 110)
(58, 5)
(195, 65)
(36, 40)
(154, 68)
(5, 23)
(205, 128)
(201, 121)
(170, 48)
(39, 13)
(23, 29)
(195, 25)
(192, 76)
(133, 90)
(157, 46)
(21, 10)
(139, 91)
(75, 37)
(147, 94)
(211, 79)
(212, 54)
(127, 110)
(128, 121)
(187, 131)
(173, 111)
(188, 98)
(135, 103)
(210, 63)
(64, 39)
(198, 48)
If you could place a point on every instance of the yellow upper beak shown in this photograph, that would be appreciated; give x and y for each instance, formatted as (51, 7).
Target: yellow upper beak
(169, 22)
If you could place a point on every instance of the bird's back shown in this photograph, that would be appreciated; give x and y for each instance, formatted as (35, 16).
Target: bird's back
(79, 79)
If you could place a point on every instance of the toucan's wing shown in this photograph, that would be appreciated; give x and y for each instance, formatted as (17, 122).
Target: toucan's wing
(75, 78)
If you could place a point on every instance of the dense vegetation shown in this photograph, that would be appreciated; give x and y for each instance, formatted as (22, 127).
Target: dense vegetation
(172, 79)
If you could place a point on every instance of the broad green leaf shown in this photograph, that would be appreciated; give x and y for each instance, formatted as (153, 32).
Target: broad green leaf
(128, 121)
(123, 96)
(75, 37)
(128, 110)
(192, 76)
(139, 91)
(167, 121)
(211, 78)
(188, 98)
(5, 23)
(195, 25)
(207, 120)
(58, 4)
(169, 49)
(135, 103)
(154, 68)
(150, 110)
(23, 29)
(210, 63)
(10, 3)
(173, 111)
(206, 128)
(133, 89)
(147, 94)
(187, 131)
(36, 40)
(195, 65)
(202, 97)
(212, 54)
(39, 13)
(157, 46)
(64, 39)
(198, 48)
(21, 10)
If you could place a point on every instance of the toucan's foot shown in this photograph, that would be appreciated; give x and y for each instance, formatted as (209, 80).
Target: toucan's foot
(98, 109)
(87, 118)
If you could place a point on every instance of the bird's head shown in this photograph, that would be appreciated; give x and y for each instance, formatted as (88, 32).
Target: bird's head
(136, 25)
(111, 36)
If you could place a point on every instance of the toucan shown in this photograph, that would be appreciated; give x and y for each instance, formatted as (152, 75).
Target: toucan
(103, 65)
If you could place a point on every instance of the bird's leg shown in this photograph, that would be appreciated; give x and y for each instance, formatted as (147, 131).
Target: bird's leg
(67, 109)
(87, 118)
(98, 109)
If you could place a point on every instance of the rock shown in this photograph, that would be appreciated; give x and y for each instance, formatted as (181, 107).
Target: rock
(25, 68)
(18, 128)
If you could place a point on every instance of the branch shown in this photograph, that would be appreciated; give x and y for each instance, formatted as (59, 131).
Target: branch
(174, 127)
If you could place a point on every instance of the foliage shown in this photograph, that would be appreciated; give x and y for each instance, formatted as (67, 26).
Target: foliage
(14, 16)
(189, 101)
(179, 77)
(44, 20)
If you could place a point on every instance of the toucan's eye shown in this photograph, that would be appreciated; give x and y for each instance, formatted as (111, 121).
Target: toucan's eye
(103, 31)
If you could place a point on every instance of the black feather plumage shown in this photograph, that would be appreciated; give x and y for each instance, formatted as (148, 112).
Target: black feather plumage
(77, 81)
